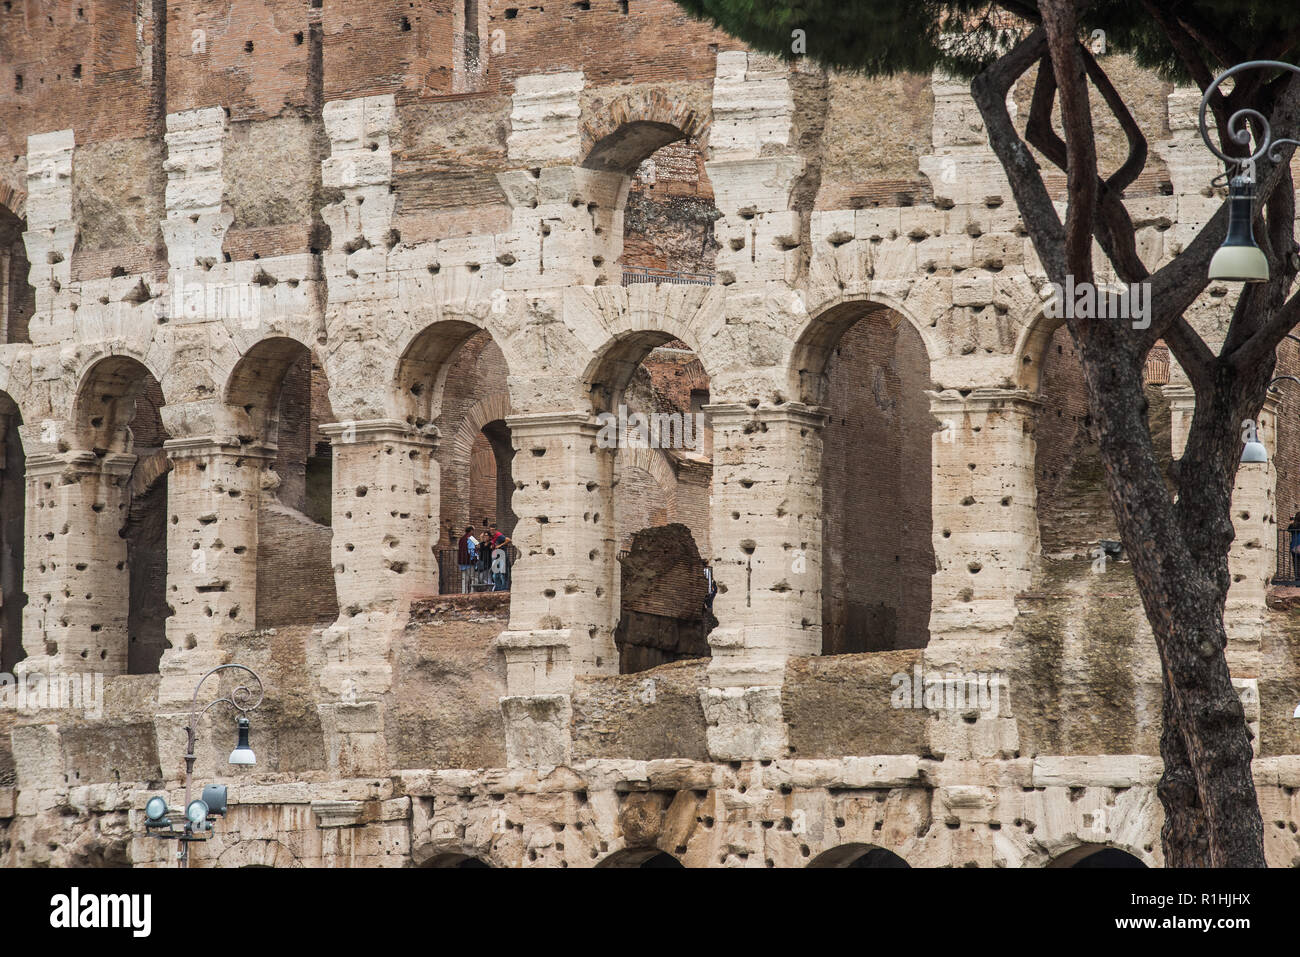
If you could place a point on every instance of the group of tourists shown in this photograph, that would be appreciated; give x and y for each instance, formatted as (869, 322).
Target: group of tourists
(483, 561)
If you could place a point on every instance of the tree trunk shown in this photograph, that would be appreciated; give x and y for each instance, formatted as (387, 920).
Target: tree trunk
(1179, 557)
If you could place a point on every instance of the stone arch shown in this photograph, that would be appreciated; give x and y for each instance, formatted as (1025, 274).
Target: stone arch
(255, 385)
(655, 464)
(275, 401)
(826, 325)
(615, 361)
(1105, 855)
(459, 861)
(489, 409)
(867, 365)
(647, 857)
(1031, 349)
(257, 853)
(484, 420)
(632, 126)
(420, 375)
(105, 400)
(13, 198)
(858, 855)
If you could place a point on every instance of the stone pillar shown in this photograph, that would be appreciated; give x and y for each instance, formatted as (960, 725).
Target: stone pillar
(562, 603)
(985, 534)
(1252, 559)
(767, 552)
(75, 570)
(213, 493)
(985, 527)
(385, 523)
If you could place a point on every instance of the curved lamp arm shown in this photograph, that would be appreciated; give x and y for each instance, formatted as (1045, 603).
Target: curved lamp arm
(1238, 131)
(240, 697)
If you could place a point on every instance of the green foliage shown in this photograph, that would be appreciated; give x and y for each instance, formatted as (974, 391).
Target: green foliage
(882, 37)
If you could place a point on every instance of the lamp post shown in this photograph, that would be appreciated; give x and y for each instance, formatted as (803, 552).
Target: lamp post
(1239, 259)
(198, 813)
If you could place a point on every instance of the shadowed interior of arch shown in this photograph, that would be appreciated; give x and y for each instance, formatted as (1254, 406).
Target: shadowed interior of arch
(13, 490)
(858, 855)
(117, 410)
(646, 857)
(867, 367)
(623, 150)
(17, 296)
(649, 391)
(279, 398)
(1097, 856)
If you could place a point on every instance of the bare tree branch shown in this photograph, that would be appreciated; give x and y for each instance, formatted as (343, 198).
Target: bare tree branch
(989, 90)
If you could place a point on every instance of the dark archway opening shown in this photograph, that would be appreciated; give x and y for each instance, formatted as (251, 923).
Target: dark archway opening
(458, 378)
(119, 410)
(13, 491)
(646, 857)
(17, 296)
(649, 393)
(281, 398)
(459, 861)
(665, 610)
(858, 855)
(1098, 856)
(869, 369)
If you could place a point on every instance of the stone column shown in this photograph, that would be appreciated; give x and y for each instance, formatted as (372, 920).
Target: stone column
(985, 534)
(562, 601)
(1252, 560)
(767, 551)
(985, 527)
(385, 523)
(75, 570)
(213, 493)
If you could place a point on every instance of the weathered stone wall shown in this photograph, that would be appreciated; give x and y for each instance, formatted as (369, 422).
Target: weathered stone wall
(385, 229)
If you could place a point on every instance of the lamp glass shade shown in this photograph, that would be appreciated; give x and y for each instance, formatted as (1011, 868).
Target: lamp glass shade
(243, 754)
(1239, 259)
(1239, 264)
(155, 808)
(196, 812)
(1297, 712)
(1254, 452)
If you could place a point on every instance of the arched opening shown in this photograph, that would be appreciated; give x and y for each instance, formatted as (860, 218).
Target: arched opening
(644, 857)
(649, 391)
(455, 378)
(460, 861)
(858, 855)
(669, 215)
(1075, 518)
(280, 398)
(13, 490)
(118, 411)
(17, 296)
(869, 369)
(1097, 855)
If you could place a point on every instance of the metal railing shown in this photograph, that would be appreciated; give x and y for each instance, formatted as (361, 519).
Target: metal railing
(1286, 566)
(638, 274)
(449, 582)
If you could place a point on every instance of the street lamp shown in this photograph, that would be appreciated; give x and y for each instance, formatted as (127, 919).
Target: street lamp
(197, 815)
(1239, 259)
(1254, 452)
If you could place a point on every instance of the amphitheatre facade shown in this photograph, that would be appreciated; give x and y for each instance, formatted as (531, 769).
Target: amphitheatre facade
(291, 294)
